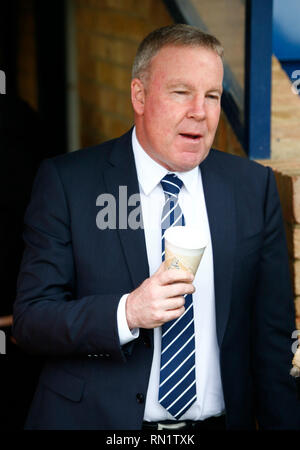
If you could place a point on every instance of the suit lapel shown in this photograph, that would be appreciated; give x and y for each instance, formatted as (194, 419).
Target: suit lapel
(220, 204)
(121, 172)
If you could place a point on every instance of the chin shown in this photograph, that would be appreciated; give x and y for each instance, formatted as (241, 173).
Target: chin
(189, 163)
(181, 167)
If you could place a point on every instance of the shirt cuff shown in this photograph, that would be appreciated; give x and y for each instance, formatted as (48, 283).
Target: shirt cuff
(125, 334)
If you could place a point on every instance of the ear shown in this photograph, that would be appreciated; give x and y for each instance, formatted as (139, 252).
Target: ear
(137, 96)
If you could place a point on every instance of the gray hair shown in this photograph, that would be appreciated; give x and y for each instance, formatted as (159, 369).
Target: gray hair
(177, 34)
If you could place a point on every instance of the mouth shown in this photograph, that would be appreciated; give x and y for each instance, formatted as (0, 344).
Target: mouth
(192, 137)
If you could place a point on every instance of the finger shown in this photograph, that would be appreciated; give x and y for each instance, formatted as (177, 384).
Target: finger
(173, 314)
(173, 303)
(176, 289)
(165, 317)
(174, 275)
(161, 269)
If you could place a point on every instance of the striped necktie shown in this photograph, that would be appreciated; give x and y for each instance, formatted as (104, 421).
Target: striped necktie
(177, 388)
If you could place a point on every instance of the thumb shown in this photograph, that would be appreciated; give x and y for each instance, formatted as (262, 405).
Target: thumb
(161, 268)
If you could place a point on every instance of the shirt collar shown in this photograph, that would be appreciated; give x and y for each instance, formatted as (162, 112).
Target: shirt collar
(150, 173)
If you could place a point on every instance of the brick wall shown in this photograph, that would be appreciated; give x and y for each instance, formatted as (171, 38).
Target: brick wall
(226, 139)
(108, 33)
(285, 129)
(287, 173)
(285, 161)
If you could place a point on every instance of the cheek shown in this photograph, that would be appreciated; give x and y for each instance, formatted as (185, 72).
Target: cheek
(159, 109)
(160, 121)
(160, 112)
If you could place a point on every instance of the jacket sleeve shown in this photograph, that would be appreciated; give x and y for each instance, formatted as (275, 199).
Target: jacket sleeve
(48, 318)
(277, 406)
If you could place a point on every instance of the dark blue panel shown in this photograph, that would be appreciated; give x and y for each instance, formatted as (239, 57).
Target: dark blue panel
(258, 78)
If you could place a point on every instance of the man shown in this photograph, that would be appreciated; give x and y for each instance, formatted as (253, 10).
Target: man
(95, 297)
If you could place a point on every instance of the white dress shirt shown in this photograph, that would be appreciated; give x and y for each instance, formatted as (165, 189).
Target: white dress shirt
(209, 400)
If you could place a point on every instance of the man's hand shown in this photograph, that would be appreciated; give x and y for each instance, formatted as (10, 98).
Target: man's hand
(159, 298)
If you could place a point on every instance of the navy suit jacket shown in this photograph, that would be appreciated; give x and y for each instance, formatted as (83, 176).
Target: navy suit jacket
(73, 275)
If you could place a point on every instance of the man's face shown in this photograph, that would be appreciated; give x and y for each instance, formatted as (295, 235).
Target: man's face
(177, 108)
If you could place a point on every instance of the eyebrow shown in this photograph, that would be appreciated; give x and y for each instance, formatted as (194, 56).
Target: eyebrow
(177, 83)
(217, 89)
(183, 84)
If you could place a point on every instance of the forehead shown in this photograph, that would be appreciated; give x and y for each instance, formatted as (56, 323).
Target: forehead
(174, 62)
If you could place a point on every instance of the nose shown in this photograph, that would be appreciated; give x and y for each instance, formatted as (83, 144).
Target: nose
(197, 108)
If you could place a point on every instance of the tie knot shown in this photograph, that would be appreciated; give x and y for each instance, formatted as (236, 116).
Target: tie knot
(171, 184)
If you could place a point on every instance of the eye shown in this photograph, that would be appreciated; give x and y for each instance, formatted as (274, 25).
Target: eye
(181, 92)
(213, 96)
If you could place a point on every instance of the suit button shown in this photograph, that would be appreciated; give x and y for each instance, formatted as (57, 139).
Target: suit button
(140, 398)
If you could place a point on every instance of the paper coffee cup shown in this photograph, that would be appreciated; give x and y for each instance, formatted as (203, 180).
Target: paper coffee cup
(184, 248)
